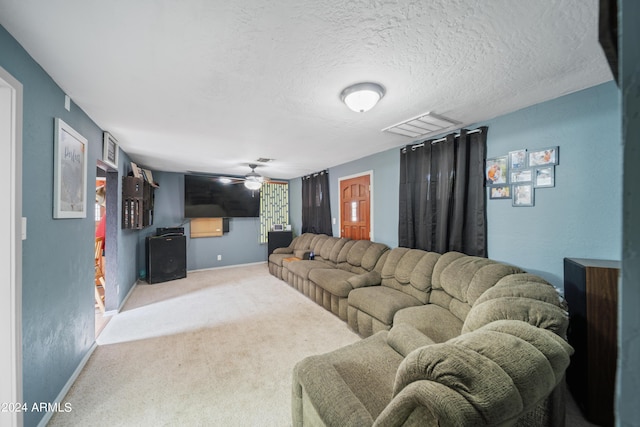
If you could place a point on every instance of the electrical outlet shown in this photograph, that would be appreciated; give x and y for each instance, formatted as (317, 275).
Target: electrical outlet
(219, 257)
(118, 290)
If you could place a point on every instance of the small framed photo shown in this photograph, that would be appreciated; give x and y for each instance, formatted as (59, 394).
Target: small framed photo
(69, 172)
(544, 177)
(522, 194)
(525, 175)
(110, 150)
(497, 171)
(503, 192)
(544, 156)
(518, 160)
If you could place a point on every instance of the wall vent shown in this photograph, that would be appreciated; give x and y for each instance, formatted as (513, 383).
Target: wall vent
(421, 125)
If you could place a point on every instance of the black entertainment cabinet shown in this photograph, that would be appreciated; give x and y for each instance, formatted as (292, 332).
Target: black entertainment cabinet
(279, 239)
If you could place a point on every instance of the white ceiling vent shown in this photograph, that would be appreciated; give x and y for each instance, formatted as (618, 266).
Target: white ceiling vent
(422, 125)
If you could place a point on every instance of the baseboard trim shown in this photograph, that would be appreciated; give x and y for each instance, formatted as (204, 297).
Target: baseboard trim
(117, 310)
(58, 401)
(227, 266)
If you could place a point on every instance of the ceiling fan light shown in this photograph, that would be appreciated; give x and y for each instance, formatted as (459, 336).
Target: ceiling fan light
(362, 97)
(252, 184)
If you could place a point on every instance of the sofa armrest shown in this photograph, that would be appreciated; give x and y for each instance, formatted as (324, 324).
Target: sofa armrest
(405, 338)
(502, 370)
(371, 278)
(286, 250)
(316, 380)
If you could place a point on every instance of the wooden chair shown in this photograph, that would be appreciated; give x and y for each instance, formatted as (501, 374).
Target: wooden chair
(99, 276)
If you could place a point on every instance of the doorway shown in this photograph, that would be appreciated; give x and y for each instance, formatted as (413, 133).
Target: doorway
(111, 291)
(355, 207)
(99, 216)
(11, 265)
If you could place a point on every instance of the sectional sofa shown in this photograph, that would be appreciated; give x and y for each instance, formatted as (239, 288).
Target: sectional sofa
(338, 266)
(448, 339)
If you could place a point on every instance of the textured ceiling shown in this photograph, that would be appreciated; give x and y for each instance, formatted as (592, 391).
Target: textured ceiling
(211, 85)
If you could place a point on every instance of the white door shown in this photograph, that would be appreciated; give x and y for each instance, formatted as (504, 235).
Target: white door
(11, 265)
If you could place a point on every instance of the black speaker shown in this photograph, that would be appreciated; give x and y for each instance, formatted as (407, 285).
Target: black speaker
(166, 258)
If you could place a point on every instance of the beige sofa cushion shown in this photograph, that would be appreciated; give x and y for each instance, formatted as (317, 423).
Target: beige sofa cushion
(380, 302)
(488, 377)
(432, 320)
(460, 279)
(521, 297)
(302, 268)
(333, 280)
(409, 271)
(404, 338)
(346, 387)
(360, 256)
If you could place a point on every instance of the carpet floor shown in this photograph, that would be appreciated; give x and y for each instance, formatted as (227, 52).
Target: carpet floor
(214, 349)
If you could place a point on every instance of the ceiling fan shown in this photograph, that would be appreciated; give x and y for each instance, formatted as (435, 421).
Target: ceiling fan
(252, 180)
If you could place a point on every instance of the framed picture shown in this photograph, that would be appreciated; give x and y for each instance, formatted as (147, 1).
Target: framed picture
(544, 156)
(522, 176)
(503, 192)
(110, 150)
(518, 159)
(69, 172)
(496, 171)
(544, 177)
(522, 194)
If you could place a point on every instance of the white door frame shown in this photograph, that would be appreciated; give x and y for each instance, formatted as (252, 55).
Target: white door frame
(357, 175)
(11, 266)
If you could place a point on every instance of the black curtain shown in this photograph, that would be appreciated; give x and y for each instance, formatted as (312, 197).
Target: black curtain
(442, 195)
(316, 211)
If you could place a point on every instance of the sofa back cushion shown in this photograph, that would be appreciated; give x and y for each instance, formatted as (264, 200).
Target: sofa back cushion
(410, 271)
(317, 242)
(360, 256)
(331, 248)
(523, 297)
(459, 280)
(302, 243)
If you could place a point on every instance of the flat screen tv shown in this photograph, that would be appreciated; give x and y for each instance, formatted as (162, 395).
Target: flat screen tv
(207, 197)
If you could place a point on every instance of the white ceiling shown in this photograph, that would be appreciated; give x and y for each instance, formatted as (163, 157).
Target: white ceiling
(211, 85)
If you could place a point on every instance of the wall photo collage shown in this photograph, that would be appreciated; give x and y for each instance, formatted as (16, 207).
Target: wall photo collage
(517, 175)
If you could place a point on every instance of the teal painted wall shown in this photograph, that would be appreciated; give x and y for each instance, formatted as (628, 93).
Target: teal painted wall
(295, 205)
(580, 217)
(57, 283)
(240, 246)
(628, 410)
(385, 170)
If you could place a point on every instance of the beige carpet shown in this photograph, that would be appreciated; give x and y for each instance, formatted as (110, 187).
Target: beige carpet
(214, 349)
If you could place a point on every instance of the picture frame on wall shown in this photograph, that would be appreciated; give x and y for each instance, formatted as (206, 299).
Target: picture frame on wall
(544, 156)
(110, 150)
(525, 175)
(544, 177)
(500, 192)
(523, 194)
(69, 172)
(497, 171)
(518, 159)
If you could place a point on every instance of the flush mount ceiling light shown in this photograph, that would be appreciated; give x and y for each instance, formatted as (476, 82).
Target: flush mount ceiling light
(362, 97)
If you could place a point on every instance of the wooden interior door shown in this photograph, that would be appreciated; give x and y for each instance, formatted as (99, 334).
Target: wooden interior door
(355, 208)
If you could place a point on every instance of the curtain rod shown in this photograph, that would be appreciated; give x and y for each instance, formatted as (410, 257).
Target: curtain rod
(315, 174)
(435, 141)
